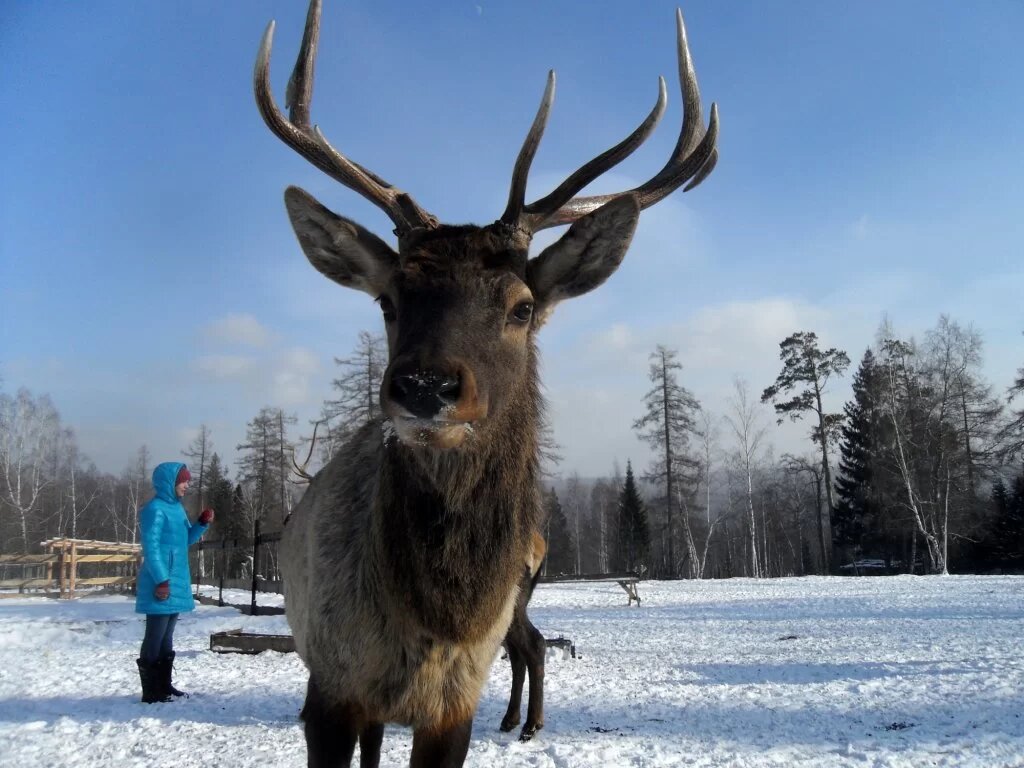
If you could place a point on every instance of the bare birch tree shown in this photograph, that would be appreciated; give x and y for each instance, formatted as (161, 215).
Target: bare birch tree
(29, 429)
(745, 423)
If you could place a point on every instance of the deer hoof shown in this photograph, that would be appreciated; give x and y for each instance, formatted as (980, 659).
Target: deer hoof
(529, 731)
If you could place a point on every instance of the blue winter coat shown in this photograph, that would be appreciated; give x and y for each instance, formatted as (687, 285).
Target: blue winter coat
(166, 536)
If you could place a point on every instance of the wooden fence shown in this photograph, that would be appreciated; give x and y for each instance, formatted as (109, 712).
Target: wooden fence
(69, 565)
(249, 564)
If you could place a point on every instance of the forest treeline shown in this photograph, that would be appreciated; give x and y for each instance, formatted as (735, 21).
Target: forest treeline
(921, 471)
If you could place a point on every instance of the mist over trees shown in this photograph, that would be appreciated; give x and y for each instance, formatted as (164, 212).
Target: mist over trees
(921, 470)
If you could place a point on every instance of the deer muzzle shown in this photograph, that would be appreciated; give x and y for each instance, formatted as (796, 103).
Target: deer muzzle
(432, 405)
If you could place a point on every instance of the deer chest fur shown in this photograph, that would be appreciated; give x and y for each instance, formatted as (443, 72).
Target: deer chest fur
(398, 599)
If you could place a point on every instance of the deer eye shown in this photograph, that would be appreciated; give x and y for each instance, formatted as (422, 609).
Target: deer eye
(521, 313)
(387, 308)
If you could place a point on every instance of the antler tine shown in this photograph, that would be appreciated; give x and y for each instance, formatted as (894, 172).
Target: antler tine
(517, 192)
(300, 469)
(297, 133)
(540, 209)
(693, 158)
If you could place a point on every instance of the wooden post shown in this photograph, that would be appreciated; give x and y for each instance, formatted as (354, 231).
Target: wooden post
(62, 569)
(223, 568)
(199, 556)
(255, 552)
(74, 569)
(53, 565)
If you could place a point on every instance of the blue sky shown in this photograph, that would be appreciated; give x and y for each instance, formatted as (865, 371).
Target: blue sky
(871, 163)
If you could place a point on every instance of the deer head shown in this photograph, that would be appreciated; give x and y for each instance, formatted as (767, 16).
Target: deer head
(461, 304)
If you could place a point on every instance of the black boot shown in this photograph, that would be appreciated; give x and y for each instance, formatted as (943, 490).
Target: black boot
(166, 666)
(152, 684)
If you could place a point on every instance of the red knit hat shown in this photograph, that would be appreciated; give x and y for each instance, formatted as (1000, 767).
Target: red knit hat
(183, 476)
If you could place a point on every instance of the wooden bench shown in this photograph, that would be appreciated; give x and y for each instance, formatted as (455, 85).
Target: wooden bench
(627, 580)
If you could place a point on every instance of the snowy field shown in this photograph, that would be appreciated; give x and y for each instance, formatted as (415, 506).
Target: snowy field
(899, 671)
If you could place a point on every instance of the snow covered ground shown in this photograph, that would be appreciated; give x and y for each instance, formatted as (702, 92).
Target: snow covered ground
(888, 671)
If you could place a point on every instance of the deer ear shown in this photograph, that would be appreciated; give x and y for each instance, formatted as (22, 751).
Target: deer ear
(338, 247)
(586, 255)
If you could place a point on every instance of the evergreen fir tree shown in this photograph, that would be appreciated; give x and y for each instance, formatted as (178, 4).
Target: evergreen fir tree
(1007, 539)
(856, 506)
(219, 492)
(633, 543)
(560, 558)
(241, 529)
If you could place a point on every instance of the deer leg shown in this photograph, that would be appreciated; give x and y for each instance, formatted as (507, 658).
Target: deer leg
(515, 658)
(369, 745)
(331, 731)
(534, 651)
(445, 748)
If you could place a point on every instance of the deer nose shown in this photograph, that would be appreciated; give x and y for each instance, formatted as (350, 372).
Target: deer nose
(425, 393)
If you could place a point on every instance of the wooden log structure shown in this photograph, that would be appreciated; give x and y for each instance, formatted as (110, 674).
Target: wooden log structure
(62, 560)
(237, 641)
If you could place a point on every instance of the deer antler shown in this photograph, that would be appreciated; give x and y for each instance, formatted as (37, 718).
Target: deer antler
(297, 133)
(300, 469)
(693, 158)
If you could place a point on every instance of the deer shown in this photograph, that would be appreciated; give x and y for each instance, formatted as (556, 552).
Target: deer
(404, 558)
(526, 649)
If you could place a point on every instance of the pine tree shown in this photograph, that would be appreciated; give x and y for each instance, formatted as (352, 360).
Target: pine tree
(857, 507)
(668, 422)
(633, 540)
(561, 557)
(807, 368)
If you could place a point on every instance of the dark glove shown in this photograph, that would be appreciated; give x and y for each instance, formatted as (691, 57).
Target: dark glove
(163, 590)
(206, 516)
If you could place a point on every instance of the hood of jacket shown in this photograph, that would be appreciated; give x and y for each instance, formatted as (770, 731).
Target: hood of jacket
(163, 480)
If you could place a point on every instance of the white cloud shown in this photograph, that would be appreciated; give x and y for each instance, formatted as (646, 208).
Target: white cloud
(729, 337)
(860, 228)
(294, 370)
(595, 386)
(617, 337)
(225, 366)
(238, 328)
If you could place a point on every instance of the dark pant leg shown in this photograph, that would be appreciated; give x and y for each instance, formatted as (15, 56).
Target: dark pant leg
(167, 645)
(153, 640)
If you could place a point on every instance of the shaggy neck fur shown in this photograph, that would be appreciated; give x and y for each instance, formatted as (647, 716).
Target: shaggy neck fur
(454, 526)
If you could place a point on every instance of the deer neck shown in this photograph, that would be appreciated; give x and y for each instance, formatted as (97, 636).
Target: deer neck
(454, 526)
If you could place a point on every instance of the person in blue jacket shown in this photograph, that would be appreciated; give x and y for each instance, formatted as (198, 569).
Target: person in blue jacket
(163, 589)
